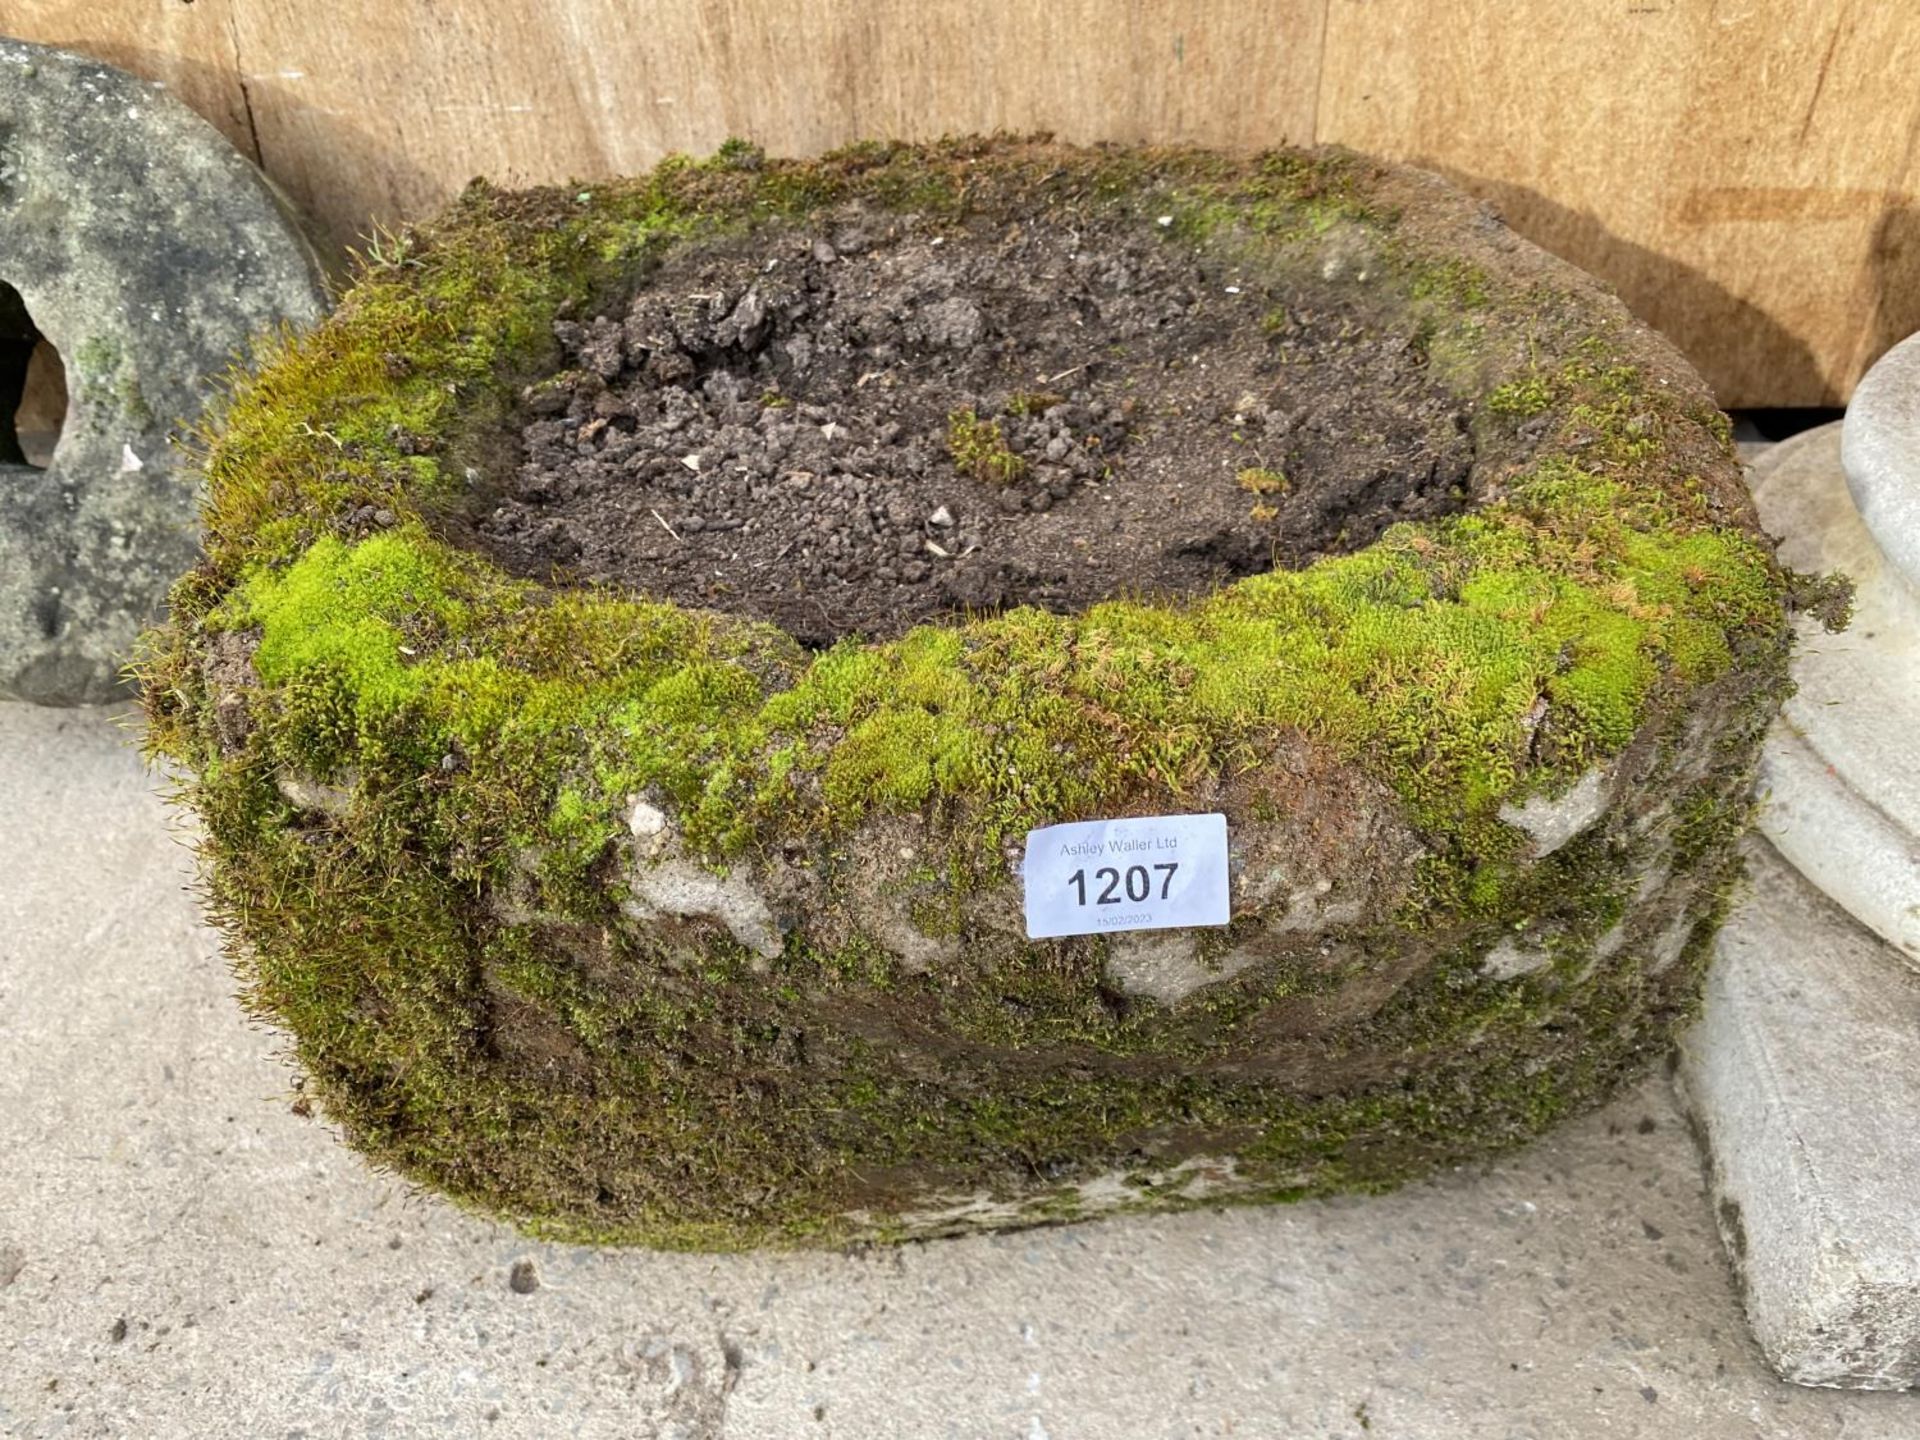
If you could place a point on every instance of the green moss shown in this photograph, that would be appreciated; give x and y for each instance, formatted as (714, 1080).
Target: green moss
(101, 377)
(1827, 598)
(96, 360)
(1455, 283)
(738, 154)
(1286, 196)
(1032, 402)
(1257, 481)
(979, 448)
(1521, 398)
(447, 948)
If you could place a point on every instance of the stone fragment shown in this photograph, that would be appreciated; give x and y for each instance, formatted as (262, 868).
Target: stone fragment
(1509, 960)
(1551, 821)
(316, 795)
(663, 881)
(1166, 965)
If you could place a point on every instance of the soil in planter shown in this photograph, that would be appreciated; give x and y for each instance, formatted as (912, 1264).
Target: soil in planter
(878, 421)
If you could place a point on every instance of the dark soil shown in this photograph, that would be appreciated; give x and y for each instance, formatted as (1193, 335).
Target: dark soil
(859, 427)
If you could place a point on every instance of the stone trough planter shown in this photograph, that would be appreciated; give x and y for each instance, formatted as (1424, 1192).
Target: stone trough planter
(615, 765)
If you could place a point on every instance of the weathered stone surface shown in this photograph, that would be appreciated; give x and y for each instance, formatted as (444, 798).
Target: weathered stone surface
(1805, 1074)
(149, 253)
(1166, 966)
(663, 881)
(1551, 821)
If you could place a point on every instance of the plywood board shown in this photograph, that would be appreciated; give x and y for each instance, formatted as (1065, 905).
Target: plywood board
(1740, 170)
(1743, 171)
(188, 47)
(384, 110)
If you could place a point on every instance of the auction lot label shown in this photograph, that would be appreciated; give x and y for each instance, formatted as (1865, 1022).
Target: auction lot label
(1100, 877)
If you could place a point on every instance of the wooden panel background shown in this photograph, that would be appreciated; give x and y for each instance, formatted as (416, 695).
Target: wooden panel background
(1743, 171)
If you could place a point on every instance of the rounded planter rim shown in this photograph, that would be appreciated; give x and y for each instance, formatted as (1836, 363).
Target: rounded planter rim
(1881, 453)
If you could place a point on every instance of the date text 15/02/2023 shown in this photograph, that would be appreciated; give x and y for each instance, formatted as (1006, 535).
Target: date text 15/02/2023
(1149, 872)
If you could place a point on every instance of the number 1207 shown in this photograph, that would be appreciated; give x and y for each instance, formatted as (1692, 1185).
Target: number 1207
(1114, 886)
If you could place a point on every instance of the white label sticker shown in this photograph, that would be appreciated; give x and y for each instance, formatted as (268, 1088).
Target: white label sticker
(1099, 877)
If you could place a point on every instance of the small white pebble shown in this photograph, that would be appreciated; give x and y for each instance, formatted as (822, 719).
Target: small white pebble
(646, 821)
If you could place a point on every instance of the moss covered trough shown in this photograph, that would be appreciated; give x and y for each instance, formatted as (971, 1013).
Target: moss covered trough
(636, 923)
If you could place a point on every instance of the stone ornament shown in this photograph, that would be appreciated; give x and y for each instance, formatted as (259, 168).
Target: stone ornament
(1804, 1071)
(639, 923)
(1842, 772)
(150, 254)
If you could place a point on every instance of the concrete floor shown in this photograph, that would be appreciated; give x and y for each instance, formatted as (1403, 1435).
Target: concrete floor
(183, 1255)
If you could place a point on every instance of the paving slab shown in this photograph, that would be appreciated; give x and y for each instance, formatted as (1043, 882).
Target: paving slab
(183, 1254)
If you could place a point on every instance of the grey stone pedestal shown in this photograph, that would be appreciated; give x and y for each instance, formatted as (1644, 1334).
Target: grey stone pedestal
(1804, 1072)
